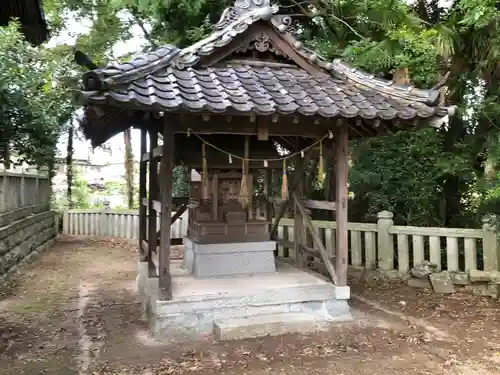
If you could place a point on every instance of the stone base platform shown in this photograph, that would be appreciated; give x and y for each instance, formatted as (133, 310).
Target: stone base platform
(228, 259)
(287, 301)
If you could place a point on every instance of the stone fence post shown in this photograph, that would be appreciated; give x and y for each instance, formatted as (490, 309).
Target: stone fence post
(385, 242)
(65, 228)
(23, 189)
(490, 245)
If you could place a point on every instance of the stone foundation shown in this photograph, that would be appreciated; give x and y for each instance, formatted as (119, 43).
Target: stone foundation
(289, 300)
(229, 259)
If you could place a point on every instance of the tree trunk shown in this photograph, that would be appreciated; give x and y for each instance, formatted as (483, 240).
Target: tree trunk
(69, 164)
(129, 167)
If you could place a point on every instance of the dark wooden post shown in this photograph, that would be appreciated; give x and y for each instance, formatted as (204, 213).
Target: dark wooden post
(166, 169)
(299, 231)
(342, 171)
(268, 191)
(153, 195)
(142, 195)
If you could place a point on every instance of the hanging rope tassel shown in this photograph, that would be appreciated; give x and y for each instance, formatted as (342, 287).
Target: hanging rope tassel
(284, 184)
(244, 197)
(204, 173)
(321, 165)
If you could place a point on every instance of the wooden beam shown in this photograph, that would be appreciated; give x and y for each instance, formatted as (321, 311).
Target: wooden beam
(297, 177)
(285, 243)
(153, 194)
(176, 216)
(342, 172)
(299, 229)
(268, 191)
(319, 205)
(142, 197)
(145, 155)
(166, 168)
(262, 131)
(315, 236)
(312, 252)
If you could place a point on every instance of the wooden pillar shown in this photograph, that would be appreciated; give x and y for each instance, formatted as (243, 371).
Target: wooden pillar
(142, 195)
(268, 191)
(166, 178)
(299, 231)
(153, 195)
(342, 171)
(215, 196)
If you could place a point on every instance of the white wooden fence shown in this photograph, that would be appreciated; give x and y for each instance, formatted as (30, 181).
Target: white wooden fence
(391, 248)
(396, 249)
(112, 223)
(19, 190)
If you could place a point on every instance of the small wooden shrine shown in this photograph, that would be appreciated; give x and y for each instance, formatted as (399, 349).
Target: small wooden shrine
(242, 93)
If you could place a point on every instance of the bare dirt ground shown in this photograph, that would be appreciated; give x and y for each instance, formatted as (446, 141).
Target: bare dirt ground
(75, 311)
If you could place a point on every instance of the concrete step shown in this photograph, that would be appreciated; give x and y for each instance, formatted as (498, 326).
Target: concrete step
(267, 325)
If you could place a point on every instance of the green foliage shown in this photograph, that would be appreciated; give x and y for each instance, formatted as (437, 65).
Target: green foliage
(80, 193)
(34, 103)
(403, 173)
(403, 48)
(180, 187)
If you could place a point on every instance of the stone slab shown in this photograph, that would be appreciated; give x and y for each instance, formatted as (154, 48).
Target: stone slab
(484, 290)
(419, 283)
(460, 278)
(197, 303)
(229, 259)
(441, 282)
(267, 325)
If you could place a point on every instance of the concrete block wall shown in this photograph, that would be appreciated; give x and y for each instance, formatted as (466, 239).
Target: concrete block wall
(23, 235)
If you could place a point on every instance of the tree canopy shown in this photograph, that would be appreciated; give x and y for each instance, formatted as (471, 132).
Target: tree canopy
(35, 103)
(442, 176)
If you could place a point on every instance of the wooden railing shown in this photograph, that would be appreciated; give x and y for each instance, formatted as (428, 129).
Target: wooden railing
(362, 238)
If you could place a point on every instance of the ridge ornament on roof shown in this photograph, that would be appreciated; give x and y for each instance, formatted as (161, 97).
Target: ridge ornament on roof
(241, 7)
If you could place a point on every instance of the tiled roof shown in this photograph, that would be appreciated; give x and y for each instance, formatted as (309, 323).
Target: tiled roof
(263, 90)
(172, 79)
(31, 17)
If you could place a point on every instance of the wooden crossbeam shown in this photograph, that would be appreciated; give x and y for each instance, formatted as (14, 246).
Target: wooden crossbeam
(319, 205)
(285, 243)
(312, 252)
(315, 236)
(176, 216)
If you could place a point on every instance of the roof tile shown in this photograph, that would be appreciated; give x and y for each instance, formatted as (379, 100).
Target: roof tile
(262, 90)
